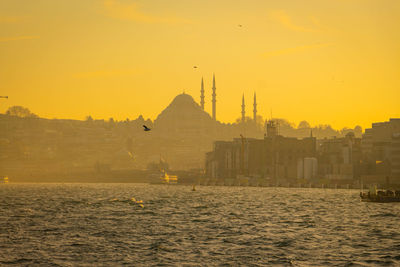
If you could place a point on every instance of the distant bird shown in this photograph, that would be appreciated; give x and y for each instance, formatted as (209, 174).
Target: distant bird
(194, 67)
(240, 25)
(146, 129)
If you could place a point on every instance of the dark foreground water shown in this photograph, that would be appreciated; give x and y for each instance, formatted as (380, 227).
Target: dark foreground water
(99, 225)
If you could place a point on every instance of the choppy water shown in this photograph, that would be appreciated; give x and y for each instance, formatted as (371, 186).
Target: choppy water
(98, 224)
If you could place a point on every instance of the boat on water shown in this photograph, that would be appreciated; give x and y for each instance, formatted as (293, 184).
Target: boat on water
(164, 178)
(169, 179)
(380, 196)
(4, 180)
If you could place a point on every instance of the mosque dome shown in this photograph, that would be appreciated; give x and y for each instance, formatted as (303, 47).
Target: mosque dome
(183, 112)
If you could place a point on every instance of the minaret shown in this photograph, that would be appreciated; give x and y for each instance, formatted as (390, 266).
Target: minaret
(255, 109)
(214, 100)
(243, 110)
(202, 94)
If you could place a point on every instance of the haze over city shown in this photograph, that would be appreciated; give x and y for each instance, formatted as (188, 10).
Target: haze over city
(199, 133)
(328, 62)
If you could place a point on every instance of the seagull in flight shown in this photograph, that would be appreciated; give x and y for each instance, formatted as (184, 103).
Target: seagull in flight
(146, 129)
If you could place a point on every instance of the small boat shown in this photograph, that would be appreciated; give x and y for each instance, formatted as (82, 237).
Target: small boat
(380, 196)
(169, 179)
(4, 180)
(163, 178)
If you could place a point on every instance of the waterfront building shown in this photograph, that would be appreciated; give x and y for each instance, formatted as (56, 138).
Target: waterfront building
(339, 158)
(381, 156)
(395, 159)
(307, 168)
(274, 157)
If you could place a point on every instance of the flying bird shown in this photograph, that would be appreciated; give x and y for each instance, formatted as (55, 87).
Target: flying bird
(194, 67)
(146, 129)
(240, 25)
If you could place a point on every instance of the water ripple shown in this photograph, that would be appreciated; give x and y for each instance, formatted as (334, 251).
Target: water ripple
(100, 224)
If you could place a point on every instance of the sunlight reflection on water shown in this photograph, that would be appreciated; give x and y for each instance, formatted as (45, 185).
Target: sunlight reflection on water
(86, 224)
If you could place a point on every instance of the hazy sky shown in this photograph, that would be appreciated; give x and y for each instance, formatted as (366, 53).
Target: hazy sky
(326, 61)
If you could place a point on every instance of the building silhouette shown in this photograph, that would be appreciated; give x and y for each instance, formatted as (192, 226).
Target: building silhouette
(272, 160)
(339, 158)
(202, 94)
(381, 152)
(243, 110)
(214, 100)
(184, 132)
(255, 108)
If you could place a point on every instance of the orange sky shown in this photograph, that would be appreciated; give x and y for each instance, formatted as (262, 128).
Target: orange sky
(328, 62)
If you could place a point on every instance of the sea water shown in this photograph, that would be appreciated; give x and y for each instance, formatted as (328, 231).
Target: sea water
(105, 225)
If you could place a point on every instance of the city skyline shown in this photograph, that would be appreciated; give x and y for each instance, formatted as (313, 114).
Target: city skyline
(244, 115)
(199, 133)
(327, 63)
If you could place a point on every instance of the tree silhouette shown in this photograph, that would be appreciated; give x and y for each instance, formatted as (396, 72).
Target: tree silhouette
(304, 124)
(20, 111)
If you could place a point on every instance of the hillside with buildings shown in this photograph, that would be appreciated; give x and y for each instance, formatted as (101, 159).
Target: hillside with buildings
(181, 136)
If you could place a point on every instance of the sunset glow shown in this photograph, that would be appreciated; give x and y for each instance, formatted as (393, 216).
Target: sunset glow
(328, 62)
